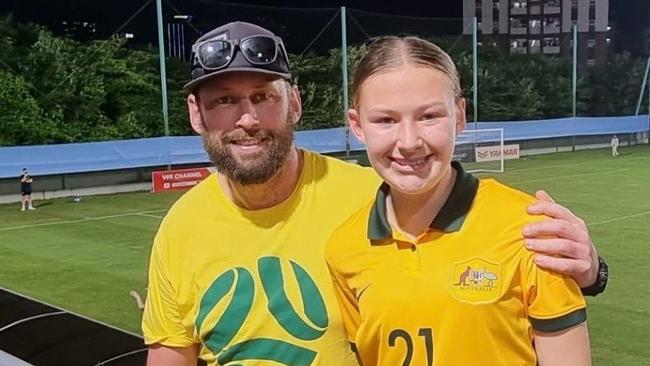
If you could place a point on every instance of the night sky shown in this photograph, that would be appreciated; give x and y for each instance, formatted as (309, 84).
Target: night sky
(629, 18)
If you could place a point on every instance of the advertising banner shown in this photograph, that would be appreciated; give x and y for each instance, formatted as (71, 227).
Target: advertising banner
(171, 180)
(492, 153)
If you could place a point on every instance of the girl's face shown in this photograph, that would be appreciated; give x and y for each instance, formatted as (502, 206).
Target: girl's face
(408, 118)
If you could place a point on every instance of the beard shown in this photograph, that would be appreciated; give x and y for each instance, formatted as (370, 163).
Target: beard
(256, 168)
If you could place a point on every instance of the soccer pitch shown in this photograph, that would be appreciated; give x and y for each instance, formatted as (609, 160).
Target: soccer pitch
(85, 257)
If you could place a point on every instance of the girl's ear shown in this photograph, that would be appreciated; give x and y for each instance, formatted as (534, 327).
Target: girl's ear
(354, 122)
(461, 119)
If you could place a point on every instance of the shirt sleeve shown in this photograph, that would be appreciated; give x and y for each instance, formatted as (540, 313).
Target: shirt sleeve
(161, 322)
(347, 302)
(554, 301)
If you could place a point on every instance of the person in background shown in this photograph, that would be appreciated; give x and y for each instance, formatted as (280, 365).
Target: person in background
(614, 144)
(26, 181)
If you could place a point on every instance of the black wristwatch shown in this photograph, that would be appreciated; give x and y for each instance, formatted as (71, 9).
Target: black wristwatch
(601, 280)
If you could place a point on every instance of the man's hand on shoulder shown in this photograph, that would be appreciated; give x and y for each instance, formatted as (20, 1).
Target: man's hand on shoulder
(562, 242)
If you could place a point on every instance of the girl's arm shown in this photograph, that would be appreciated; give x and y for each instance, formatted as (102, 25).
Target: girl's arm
(568, 347)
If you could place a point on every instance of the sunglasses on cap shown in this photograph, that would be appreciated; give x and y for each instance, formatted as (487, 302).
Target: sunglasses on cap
(215, 54)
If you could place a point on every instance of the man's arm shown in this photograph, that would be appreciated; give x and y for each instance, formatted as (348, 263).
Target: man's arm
(172, 356)
(162, 321)
(564, 245)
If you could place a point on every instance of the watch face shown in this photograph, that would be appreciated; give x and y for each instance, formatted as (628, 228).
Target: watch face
(601, 280)
(603, 272)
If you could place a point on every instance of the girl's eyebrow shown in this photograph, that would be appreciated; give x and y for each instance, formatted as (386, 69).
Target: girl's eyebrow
(382, 108)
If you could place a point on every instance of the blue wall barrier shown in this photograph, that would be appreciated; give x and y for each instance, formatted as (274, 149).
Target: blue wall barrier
(563, 127)
(158, 151)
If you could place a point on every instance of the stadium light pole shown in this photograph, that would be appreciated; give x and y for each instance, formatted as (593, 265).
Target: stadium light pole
(163, 76)
(344, 67)
(645, 80)
(575, 84)
(475, 71)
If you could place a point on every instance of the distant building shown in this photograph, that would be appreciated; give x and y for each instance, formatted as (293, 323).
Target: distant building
(177, 44)
(544, 26)
(79, 29)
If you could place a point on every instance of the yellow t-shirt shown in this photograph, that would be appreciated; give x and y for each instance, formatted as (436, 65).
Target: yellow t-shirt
(466, 292)
(252, 287)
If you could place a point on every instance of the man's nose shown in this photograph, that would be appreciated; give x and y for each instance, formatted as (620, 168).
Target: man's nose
(248, 114)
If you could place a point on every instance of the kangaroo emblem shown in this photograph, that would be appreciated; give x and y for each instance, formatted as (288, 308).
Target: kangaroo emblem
(463, 277)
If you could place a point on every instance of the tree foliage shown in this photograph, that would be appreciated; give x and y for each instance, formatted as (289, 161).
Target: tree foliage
(20, 112)
(57, 90)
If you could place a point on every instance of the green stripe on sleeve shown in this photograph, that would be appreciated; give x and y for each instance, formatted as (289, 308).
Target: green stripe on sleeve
(563, 322)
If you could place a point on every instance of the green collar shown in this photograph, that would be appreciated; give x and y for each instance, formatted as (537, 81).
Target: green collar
(449, 219)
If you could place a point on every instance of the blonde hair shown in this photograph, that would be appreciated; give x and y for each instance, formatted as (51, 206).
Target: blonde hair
(390, 52)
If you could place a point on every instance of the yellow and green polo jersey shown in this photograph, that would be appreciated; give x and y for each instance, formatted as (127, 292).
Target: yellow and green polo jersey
(466, 292)
(252, 287)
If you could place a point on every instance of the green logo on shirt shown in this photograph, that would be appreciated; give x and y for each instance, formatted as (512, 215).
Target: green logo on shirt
(280, 307)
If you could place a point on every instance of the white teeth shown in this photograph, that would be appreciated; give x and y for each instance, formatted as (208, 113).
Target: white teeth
(248, 142)
(411, 162)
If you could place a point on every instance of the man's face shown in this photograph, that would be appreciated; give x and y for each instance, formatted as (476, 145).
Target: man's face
(246, 121)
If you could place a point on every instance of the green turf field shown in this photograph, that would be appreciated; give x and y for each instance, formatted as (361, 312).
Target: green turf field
(86, 256)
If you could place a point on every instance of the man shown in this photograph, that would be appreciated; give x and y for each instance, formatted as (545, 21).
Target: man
(237, 268)
(614, 145)
(26, 181)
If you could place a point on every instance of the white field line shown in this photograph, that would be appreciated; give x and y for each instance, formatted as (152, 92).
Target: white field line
(552, 166)
(149, 215)
(545, 167)
(79, 220)
(569, 176)
(620, 218)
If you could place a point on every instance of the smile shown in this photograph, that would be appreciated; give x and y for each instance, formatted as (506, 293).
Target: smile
(248, 142)
(254, 145)
(413, 163)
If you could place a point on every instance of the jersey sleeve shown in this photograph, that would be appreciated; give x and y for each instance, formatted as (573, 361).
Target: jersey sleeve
(161, 322)
(554, 301)
(346, 301)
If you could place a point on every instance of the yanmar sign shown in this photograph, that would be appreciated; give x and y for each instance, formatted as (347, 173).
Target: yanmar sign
(492, 153)
(170, 180)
